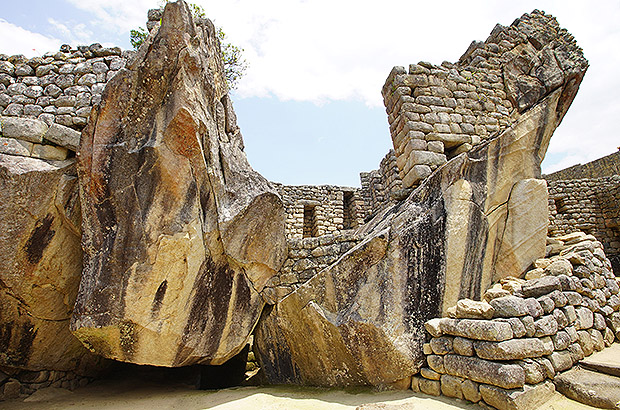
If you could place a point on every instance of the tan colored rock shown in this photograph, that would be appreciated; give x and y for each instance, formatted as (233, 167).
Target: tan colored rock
(509, 306)
(560, 267)
(49, 152)
(181, 236)
(524, 228)
(513, 349)
(11, 146)
(591, 388)
(472, 309)
(442, 345)
(471, 391)
(63, 136)
(26, 129)
(490, 330)
(430, 387)
(429, 248)
(463, 347)
(40, 265)
(507, 376)
(451, 386)
(526, 398)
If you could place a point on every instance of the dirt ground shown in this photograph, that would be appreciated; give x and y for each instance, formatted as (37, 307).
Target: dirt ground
(138, 394)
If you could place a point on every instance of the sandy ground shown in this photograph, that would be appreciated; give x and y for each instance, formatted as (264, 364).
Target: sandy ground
(141, 395)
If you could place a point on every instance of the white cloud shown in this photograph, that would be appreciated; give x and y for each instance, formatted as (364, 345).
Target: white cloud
(17, 40)
(117, 15)
(323, 50)
(76, 34)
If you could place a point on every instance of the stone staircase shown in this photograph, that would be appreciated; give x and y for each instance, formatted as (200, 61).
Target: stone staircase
(596, 381)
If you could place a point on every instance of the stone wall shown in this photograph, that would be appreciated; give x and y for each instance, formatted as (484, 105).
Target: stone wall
(589, 205)
(25, 137)
(18, 382)
(504, 350)
(58, 87)
(313, 211)
(380, 187)
(437, 112)
(308, 256)
(602, 167)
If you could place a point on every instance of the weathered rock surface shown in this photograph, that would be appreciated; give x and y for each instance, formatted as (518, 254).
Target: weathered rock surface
(527, 397)
(40, 265)
(591, 388)
(180, 235)
(462, 229)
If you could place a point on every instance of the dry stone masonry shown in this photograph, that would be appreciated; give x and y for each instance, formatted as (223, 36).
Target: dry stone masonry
(587, 198)
(313, 211)
(58, 87)
(603, 167)
(438, 112)
(383, 187)
(505, 349)
(148, 238)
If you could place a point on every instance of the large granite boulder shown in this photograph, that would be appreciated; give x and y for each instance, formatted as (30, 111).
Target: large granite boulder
(480, 217)
(40, 265)
(180, 235)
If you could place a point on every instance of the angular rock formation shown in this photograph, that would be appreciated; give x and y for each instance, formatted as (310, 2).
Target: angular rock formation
(180, 235)
(40, 265)
(360, 321)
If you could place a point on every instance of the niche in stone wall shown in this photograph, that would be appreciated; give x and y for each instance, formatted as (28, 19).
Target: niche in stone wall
(349, 216)
(560, 205)
(310, 221)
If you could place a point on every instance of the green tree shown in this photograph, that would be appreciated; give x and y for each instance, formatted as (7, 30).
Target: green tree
(232, 56)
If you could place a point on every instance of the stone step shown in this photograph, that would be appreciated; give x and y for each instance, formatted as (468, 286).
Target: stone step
(590, 388)
(606, 361)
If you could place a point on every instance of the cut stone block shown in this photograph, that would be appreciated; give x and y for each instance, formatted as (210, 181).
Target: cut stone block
(12, 146)
(25, 129)
(50, 152)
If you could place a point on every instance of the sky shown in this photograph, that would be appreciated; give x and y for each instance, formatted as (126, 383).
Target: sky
(310, 106)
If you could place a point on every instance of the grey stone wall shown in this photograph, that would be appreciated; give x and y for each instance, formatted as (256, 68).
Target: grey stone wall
(308, 256)
(380, 187)
(437, 112)
(506, 348)
(313, 211)
(588, 205)
(23, 382)
(58, 87)
(602, 167)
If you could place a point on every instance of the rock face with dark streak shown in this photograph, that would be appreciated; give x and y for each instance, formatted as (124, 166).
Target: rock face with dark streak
(480, 217)
(40, 265)
(180, 235)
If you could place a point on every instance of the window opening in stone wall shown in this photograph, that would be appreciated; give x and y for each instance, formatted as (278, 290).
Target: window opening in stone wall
(349, 219)
(310, 228)
(560, 205)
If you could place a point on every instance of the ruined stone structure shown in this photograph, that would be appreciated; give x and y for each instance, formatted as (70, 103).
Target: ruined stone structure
(313, 211)
(591, 205)
(59, 87)
(438, 112)
(149, 239)
(506, 349)
(381, 188)
(603, 167)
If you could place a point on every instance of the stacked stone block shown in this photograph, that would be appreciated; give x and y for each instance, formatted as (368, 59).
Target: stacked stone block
(505, 349)
(308, 256)
(27, 137)
(380, 187)
(58, 87)
(23, 382)
(313, 211)
(438, 112)
(603, 167)
(589, 205)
